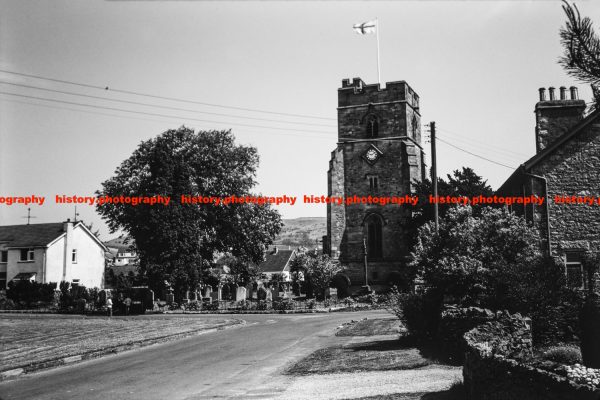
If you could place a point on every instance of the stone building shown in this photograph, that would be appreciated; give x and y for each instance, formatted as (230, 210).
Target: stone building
(378, 154)
(567, 165)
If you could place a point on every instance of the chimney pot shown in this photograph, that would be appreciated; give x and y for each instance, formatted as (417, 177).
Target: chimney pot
(574, 95)
(542, 94)
(563, 93)
(551, 93)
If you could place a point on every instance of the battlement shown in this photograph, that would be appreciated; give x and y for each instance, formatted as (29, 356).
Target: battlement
(356, 92)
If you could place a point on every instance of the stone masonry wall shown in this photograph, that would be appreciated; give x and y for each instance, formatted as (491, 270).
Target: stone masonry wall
(573, 170)
(493, 371)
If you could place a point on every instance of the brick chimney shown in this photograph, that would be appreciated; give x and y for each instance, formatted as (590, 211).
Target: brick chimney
(554, 117)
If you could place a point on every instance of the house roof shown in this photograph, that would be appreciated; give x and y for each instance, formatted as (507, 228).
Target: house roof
(37, 235)
(527, 165)
(34, 235)
(276, 261)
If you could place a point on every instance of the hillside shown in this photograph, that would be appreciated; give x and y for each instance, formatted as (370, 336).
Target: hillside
(302, 231)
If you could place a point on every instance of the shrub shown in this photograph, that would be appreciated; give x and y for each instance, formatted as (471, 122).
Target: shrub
(30, 292)
(420, 313)
(211, 306)
(262, 305)
(194, 305)
(568, 355)
(283, 305)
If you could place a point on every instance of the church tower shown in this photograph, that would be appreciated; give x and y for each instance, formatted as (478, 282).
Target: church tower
(378, 153)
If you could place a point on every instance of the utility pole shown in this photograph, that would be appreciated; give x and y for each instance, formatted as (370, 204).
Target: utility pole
(434, 180)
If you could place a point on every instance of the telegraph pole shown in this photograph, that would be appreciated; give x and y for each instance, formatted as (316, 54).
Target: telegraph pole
(434, 180)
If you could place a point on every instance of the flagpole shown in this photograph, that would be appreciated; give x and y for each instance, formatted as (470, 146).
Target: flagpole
(378, 62)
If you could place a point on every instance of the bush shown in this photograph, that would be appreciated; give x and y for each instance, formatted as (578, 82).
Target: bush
(568, 355)
(194, 305)
(283, 305)
(211, 306)
(262, 305)
(30, 292)
(420, 313)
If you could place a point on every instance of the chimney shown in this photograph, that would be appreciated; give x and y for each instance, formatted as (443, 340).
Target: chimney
(554, 117)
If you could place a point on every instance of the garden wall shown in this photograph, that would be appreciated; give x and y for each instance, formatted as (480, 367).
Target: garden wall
(493, 369)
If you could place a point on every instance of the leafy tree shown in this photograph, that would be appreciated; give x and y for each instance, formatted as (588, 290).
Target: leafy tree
(463, 182)
(581, 44)
(475, 259)
(241, 272)
(318, 270)
(177, 242)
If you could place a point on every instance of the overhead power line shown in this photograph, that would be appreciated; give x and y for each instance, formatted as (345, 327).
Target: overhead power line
(159, 115)
(160, 106)
(484, 144)
(130, 92)
(58, 107)
(475, 155)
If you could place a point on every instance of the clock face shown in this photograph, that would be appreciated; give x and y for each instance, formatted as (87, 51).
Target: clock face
(371, 155)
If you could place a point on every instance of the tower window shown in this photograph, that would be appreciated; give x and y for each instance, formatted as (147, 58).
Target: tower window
(373, 183)
(372, 126)
(374, 237)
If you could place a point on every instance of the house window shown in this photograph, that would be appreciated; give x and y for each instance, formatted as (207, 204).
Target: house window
(2, 280)
(374, 237)
(373, 183)
(3, 256)
(74, 256)
(27, 255)
(372, 126)
(574, 270)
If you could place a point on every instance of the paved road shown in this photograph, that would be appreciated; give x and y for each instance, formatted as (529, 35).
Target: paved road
(239, 363)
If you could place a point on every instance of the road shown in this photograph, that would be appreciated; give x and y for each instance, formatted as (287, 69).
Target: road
(239, 363)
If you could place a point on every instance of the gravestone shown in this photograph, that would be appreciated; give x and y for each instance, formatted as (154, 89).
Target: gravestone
(331, 293)
(261, 293)
(240, 294)
(207, 291)
(269, 295)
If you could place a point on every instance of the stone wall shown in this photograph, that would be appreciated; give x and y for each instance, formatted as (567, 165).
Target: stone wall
(454, 323)
(493, 369)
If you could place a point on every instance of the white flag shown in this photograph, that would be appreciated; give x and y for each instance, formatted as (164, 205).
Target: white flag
(365, 27)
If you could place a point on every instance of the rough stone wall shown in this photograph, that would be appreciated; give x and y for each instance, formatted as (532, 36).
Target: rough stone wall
(454, 323)
(492, 370)
(573, 170)
(554, 118)
(399, 165)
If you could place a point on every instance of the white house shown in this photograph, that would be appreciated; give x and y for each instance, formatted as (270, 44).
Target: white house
(54, 252)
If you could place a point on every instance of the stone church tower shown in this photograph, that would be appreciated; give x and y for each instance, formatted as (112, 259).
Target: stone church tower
(378, 153)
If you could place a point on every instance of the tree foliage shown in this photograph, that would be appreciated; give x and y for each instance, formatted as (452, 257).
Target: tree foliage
(318, 270)
(176, 242)
(463, 182)
(477, 258)
(581, 44)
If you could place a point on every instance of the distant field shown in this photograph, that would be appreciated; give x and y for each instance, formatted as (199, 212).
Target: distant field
(27, 339)
(302, 231)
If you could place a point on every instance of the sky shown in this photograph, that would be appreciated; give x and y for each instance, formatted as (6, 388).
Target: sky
(476, 65)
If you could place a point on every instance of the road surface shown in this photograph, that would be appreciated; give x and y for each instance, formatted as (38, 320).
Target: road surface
(239, 363)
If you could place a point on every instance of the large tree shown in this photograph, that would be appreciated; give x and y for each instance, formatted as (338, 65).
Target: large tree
(463, 182)
(318, 270)
(176, 242)
(581, 58)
